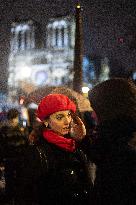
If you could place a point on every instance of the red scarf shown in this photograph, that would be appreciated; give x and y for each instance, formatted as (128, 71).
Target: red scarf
(60, 141)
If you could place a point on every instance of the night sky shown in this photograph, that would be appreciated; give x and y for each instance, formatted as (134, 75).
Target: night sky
(108, 26)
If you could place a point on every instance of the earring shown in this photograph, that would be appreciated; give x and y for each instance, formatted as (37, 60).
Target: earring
(46, 124)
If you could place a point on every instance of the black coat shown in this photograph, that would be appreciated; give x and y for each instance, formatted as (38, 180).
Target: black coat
(12, 139)
(12, 146)
(115, 182)
(54, 176)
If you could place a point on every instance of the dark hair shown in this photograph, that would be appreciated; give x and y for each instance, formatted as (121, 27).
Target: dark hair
(12, 113)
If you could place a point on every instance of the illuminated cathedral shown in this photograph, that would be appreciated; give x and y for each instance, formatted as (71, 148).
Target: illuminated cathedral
(38, 59)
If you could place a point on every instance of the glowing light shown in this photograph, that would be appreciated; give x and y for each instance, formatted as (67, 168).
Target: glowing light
(33, 105)
(25, 72)
(134, 76)
(85, 89)
(78, 6)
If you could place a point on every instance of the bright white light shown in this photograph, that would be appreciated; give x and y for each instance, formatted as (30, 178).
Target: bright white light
(63, 23)
(55, 23)
(134, 76)
(25, 72)
(78, 6)
(24, 123)
(85, 89)
(22, 27)
(33, 106)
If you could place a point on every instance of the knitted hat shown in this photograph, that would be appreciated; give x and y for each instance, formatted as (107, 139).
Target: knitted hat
(53, 103)
(114, 98)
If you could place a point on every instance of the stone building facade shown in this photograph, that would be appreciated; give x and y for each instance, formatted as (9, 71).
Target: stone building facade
(39, 59)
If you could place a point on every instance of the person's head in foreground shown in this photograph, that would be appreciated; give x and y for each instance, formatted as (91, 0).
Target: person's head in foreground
(114, 102)
(57, 112)
(13, 117)
(114, 98)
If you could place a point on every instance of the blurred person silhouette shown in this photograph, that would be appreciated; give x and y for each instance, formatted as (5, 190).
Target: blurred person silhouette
(12, 142)
(114, 149)
(55, 167)
(90, 121)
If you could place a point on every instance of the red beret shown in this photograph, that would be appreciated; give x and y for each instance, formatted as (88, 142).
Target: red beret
(53, 103)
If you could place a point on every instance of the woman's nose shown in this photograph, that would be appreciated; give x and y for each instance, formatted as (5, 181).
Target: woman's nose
(66, 120)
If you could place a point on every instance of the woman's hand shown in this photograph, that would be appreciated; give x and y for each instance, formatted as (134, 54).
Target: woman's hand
(78, 130)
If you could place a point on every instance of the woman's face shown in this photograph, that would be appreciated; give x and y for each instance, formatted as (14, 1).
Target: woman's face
(60, 121)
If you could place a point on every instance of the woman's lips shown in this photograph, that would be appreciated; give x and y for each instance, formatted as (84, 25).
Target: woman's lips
(66, 129)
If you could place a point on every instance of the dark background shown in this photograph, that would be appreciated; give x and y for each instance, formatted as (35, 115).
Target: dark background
(109, 29)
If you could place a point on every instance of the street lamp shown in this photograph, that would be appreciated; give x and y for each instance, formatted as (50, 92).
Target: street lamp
(85, 90)
(78, 52)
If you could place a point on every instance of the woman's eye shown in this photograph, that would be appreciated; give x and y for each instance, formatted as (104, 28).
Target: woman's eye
(69, 114)
(58, 117)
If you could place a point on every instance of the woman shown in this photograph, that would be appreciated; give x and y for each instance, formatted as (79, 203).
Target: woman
(56, 173)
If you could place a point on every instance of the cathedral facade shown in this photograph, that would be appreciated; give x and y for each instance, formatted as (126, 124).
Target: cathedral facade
(39, 59)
